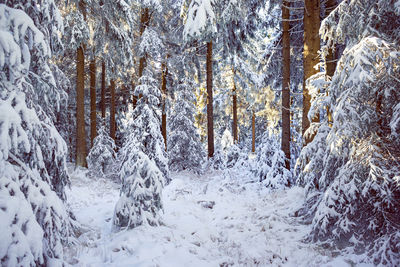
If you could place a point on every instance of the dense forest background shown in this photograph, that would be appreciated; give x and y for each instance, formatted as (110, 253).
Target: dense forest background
(292, 93)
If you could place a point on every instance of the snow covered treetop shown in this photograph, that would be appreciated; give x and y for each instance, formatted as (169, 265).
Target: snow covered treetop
(353, 20)
(201, 20)
(148, 89)
(16, 27)
(153, 4)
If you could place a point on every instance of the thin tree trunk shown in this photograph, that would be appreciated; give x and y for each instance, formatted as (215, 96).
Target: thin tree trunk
(234, 111)
(164, 68)
(81, 150)
(210, 112)
(285, 141)
(103, 89)
(253, 132)
(93, 126)
(112, 110)
(134, 98)
(331, 58)
(311, 57)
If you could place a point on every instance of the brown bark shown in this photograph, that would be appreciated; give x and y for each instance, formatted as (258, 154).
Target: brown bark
(103, 89)
(253, 132)
(210, 112)
(310, 57)
(134, 98)
(285, 141)
(164, 68)
(331, 58)
(144, 23)
(234, 111)
(93, 126)
(81, 150)
(112, 110)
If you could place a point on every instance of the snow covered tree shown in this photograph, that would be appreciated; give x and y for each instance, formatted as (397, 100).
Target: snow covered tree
(218, 162)
(184, 147)
(102, 156)
(232, 156)
(144, 161)
(351, 169)
(140, 201)
(35, 223)
(201, 25)
(270, 164)
(226, 140)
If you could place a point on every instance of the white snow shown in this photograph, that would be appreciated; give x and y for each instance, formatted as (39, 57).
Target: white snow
(217, 219)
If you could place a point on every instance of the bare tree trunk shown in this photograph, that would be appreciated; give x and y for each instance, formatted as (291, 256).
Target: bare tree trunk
(285, 142)
(210, 112)
(112, 110)
(311, 57)
(93, 122)
(164, 68)
(331, 58)
(103, 89)
(234, 111)
(81, 149)
(253, 132)
(134, 98)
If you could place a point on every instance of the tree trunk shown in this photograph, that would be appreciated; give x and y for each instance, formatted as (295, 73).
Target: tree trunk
(144, 23)
(210, 112)
(164, 68)
(81, 150)
(331, 58)
(103, 90)
(112, 110)
(93, 126)
(253, 132)
(134, 98)
(285, 141)
(310, 57)
(234, 111)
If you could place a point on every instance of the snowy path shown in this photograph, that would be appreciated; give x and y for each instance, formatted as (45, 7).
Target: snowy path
(213, 220)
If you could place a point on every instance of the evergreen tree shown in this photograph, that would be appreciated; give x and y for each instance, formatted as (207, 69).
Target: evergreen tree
(144, 162)
(35, 223)
(102, 157)
(350, 168)
(201, 24)
(140, 201)
(270, 164)
(232, 156)
(184, 148)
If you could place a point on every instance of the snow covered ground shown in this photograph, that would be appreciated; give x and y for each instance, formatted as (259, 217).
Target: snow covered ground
(217, 219)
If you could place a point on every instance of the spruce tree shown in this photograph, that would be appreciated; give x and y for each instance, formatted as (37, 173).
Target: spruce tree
(35, 223)
(184, 146)
(102, 156)
(144, 162)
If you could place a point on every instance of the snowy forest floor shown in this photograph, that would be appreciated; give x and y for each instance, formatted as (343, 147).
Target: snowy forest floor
(216, 219)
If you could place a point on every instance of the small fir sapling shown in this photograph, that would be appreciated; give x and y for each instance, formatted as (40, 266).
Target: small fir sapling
(218, 162)
(270, 164)
(140, 201)
(184, 145)
(144, 169)
(232, 156)
(102, 157)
